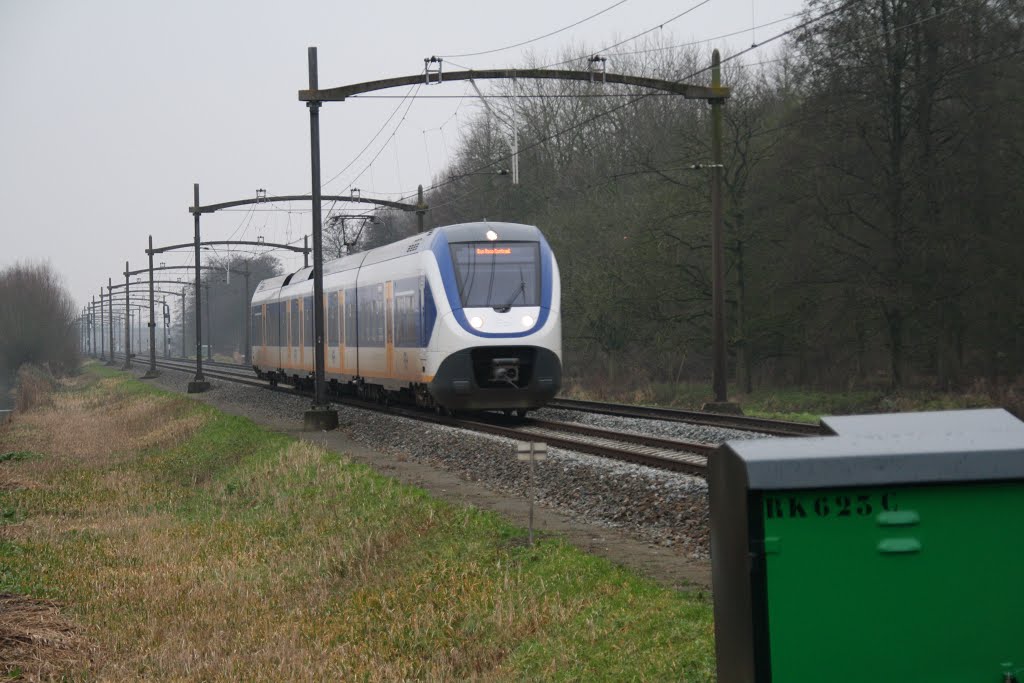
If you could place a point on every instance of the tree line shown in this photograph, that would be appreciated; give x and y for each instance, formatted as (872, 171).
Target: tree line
(226, 292)
(873, 189)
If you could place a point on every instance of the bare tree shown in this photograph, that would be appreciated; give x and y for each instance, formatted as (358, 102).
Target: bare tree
(37, 320)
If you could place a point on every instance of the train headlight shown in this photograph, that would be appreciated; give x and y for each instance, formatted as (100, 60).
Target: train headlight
(527, 321)
(476, 321)
(491, 235)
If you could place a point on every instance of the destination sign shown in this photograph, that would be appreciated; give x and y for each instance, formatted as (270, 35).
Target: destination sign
(494, 251)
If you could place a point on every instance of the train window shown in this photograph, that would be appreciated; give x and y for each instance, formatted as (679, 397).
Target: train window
(371, 316)
(378, 319)
(497, 274)
(331, 333)
(407, 333)
(274, 324)
(341, 316)
(279, 322)
(307, 326)
(256, 325)
(351, 311)
(365, 320)
(271, 339)
(294, 324)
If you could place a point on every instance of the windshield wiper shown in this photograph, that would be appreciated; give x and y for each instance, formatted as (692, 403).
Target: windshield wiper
(521, 289)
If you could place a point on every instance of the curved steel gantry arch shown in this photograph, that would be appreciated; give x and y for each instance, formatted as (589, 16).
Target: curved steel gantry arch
(314, 97)
(687, 90)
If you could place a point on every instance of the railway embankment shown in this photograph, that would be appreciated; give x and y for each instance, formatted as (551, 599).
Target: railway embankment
(145, 535)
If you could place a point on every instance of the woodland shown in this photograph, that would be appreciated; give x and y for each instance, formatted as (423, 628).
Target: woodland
(873, 193)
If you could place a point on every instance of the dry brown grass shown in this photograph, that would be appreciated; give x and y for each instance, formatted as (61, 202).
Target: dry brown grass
(37, 642)
(211, 602)
(12, 482)
(34, 388)
(76, 435)
(99, 426)
(159, 597)
(289, 564)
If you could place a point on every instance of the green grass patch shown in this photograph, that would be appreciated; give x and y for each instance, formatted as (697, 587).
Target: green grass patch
(240, 554)
(15, 456)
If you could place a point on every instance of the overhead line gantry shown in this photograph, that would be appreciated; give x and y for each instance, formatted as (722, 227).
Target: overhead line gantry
(314, 97)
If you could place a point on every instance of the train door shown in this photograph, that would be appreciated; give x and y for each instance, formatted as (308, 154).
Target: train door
(341, 328)
(295, 341)
(326, 310)
(288, 334)
(421, 312)
(302, 331)
(263, 335)
(389, 326)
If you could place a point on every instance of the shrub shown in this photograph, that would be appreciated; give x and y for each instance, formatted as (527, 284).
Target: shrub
(35, 388)
(37, 320)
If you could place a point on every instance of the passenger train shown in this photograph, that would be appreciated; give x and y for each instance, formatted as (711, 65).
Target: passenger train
(463, 317)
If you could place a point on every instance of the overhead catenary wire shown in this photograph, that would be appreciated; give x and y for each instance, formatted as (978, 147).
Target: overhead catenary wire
(691, 43)
(658, 26)
(426, 151)
(376, 135)
(412, 99)
(414, 95)
(616, 176)
(641, 97)
(533, 40)
(638, 35)
(858, 39)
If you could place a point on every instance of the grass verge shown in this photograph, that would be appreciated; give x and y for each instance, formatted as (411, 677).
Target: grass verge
(180, 543)
(808, 405)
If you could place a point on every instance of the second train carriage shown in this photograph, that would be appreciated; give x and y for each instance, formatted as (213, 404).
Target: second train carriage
(463, 317)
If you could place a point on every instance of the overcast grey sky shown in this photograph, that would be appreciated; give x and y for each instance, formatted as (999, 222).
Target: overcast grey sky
(112, 109)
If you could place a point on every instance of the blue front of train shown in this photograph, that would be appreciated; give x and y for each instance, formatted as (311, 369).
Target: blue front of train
(498, 341)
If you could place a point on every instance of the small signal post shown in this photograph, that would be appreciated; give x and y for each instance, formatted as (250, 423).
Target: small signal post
(532, 452)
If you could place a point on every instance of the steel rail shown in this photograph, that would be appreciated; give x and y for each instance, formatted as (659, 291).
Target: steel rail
(738, 422)
(744, 423)
(657, 442)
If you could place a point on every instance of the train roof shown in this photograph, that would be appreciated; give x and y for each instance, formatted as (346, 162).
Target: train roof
(474, 232)
(271, 283)
(459, 232)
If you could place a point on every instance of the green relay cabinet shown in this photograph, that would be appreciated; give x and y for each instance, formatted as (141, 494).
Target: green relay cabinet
(892, 551)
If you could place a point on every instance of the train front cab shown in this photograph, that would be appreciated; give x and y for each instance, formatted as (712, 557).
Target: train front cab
(501, 283)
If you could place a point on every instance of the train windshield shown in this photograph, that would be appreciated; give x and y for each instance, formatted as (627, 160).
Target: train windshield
(499, 275)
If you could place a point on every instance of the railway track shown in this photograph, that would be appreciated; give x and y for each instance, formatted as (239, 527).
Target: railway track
(740, 422)
(661, 453)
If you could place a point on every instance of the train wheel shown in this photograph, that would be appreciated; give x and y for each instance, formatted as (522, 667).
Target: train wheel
(521, 413)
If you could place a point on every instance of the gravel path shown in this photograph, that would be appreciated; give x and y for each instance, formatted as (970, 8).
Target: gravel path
(661, 508)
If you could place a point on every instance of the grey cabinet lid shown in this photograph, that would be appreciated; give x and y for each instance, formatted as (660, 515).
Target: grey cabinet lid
(903, 448)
